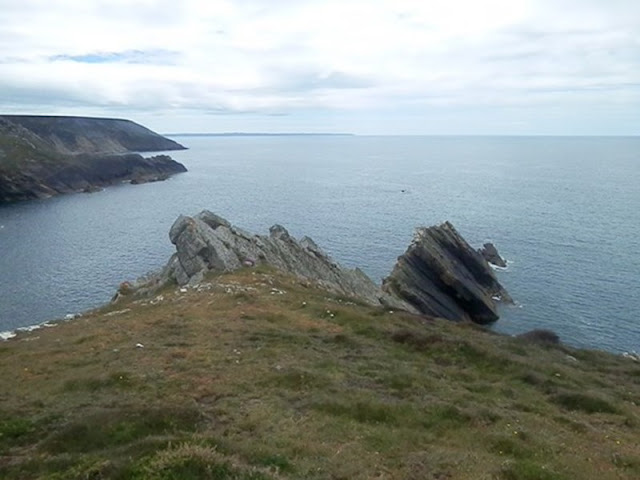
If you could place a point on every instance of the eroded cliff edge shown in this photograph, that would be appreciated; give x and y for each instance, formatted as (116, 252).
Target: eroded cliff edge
(440, 274)
(45, 156)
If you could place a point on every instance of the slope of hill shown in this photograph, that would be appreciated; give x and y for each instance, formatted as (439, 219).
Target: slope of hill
(71, 135)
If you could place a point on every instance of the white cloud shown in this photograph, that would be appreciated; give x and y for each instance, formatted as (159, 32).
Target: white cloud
(291, 57)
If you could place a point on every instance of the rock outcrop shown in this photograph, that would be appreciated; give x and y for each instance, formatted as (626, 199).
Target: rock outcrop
(38, 162)
(208, 242)
(441, 275)
(490, 253)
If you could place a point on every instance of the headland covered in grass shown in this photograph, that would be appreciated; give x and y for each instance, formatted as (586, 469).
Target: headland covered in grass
(261, 375)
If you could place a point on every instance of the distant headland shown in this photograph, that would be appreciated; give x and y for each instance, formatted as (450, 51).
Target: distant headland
(260, 134)
(42, 156)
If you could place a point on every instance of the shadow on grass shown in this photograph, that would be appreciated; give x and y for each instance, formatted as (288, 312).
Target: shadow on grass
(110, 428)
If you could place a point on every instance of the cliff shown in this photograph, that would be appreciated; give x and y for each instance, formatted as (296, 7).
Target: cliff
(45, 156)
(256, 357)
(443, 276)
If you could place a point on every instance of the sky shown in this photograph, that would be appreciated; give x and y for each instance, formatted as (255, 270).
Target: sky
(415, 67)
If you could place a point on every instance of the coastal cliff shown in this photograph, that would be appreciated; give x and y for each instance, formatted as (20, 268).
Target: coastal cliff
(45, 156)
(72, 135)
(257, 374)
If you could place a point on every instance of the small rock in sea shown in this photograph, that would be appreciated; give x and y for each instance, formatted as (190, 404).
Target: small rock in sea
(70, 316)
(491, 255)
(139, 345)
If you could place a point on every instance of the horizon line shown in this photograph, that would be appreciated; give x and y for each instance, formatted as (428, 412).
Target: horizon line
(341, 134)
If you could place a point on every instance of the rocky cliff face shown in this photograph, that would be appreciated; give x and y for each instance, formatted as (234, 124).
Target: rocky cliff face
(85, 173)
(37, 162)
(72, 135)
(441, 275)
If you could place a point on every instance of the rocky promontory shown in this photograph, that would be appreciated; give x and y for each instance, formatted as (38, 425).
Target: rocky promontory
(440, 275)
(72, 135)
(45, 156)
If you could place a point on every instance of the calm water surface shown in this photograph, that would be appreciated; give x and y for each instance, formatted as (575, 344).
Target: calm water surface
(564, 211)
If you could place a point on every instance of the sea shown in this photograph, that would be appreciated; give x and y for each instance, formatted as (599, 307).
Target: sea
(564, 212)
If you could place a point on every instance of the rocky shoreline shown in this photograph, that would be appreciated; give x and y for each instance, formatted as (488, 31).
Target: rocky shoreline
(45, 156)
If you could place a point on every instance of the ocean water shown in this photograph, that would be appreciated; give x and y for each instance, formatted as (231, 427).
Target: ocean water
(565, 212)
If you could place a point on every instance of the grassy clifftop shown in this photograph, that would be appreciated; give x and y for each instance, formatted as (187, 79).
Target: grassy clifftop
(257, 375)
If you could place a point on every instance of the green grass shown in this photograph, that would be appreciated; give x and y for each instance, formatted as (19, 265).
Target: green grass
(115, 428)
(260, 386)
(584, 403)
(528, 470)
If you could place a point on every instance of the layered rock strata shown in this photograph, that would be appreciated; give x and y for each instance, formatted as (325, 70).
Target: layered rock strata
(490, 253)
(441, 275)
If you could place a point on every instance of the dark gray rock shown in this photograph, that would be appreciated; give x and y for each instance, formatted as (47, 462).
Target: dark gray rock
(443, 276)
(490, 253)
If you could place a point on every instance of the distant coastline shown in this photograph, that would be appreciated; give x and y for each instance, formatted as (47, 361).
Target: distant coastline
(258, 134)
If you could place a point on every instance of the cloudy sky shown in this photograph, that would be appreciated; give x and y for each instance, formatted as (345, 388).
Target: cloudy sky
(361, 66)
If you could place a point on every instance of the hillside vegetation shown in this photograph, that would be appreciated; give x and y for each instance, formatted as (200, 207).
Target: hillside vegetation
(259, 375)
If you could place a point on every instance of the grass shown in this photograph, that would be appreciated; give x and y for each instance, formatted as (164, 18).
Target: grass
(250, 385)
(584, 403)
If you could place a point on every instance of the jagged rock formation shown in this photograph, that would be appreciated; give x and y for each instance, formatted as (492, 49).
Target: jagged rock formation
(440, 274)
(443, 276)
(73, 135)
(55, 155)
(490, 253)
(208, 242)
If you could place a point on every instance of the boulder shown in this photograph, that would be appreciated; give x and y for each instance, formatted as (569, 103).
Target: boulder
(490, 253)
(441, 275)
